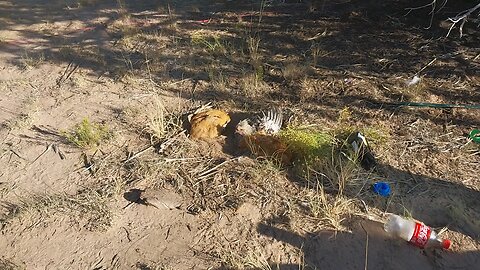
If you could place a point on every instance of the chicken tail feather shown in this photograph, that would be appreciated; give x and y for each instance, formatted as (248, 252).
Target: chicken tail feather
(271, 121)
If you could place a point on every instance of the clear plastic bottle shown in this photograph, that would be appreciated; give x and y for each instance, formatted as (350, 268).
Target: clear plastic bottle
(418, 234)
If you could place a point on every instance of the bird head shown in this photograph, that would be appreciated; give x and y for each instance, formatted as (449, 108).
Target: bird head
(244, 128)
(222, 118)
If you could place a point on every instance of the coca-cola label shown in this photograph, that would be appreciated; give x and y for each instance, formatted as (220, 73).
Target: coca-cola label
(420, 235)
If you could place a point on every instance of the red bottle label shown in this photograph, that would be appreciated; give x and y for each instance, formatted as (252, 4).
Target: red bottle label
(420, 235)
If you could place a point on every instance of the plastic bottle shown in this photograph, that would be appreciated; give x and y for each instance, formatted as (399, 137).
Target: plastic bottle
(416, 233)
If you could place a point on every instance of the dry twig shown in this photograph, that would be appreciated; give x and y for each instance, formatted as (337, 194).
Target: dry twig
(366, 247)
(433, 5)
(459, 18)
(462, 17)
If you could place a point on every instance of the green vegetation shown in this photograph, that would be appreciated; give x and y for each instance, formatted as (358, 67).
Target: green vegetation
(87, 134)
(307, 145)
(211, 41)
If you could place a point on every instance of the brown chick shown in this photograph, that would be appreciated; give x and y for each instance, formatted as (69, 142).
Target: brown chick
(262, 145)
(208, 124)
(259, 135)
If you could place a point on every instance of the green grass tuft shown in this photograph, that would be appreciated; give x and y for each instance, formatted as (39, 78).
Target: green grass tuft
(307, 145)
(87, 134)
(210, 41)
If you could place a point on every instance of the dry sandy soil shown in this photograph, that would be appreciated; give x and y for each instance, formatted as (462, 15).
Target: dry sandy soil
(138, 68)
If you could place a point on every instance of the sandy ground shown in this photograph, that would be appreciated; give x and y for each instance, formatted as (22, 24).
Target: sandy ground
(61, 62)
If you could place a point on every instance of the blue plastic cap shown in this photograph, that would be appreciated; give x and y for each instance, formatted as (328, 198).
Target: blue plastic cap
(382, 188)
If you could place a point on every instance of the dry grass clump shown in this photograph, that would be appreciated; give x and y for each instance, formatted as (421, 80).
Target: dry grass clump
(315, 50)
(23, 120)
(341, 173)
(217, 79)
(328, 211)
(344, 116)
(209, 183)
(253, 258)
(292, 71)
(377, 135)
(157, 169)
(253, 46)
(310, 89)
(26, 118)
(125, 25)
(162, 124)
(169, 151)
(193, 168)
(87, 208)
(151, 41)
(416, 92)
(88, 53)
(6, 264)
(325, 162)
(252, 85)
(153, 266)
(32, 60)
(205, 180)
(321, 160)
(264, 182)
(208, 179)
(255, 60)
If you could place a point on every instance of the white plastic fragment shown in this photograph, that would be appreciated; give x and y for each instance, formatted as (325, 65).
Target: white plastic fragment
(413, 81)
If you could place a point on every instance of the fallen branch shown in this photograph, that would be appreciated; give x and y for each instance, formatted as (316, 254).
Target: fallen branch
(366, 247)
(462, 17)
(161, 147)
(432, 4)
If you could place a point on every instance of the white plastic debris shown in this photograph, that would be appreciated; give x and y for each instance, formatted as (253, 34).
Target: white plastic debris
(413, 81)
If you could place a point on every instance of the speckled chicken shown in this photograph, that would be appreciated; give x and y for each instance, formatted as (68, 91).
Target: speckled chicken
(207, 123)
(259, 135)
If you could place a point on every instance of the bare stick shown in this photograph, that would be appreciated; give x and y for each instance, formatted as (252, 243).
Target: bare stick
(431, 62)
(178, 159)
(462, 16)
(168, 142)
(366, 248)
(432, 4)
(206, 173)
(43, 153)
(162, 147)
(57, 150)
(138, 153)
(212, 170)
(18, 155)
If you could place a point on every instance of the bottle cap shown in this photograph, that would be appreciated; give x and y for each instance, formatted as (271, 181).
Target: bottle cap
(382, 188)
(446, 244)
